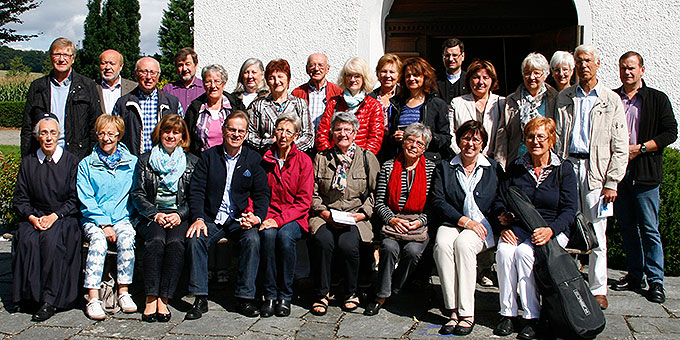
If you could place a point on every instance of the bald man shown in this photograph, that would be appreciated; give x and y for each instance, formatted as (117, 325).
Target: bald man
(317, 91)
(142, 108)
(112, 86)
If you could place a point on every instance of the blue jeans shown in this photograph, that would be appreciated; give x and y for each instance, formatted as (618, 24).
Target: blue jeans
(637, 213)
(278, 260)
(249, 258)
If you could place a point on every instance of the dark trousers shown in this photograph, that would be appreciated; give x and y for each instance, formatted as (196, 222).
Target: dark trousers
(278, 254)
(163, 257)
(389, 279)
(249, 259)
(324, 241)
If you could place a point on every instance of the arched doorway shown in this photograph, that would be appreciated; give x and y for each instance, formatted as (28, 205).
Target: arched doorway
(502, 31)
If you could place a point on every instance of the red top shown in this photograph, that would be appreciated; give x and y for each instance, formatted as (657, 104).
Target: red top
(302, 91)
(292, 187)
(371, 124)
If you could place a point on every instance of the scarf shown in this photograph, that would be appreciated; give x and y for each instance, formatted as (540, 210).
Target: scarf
(528, 105)
(417, 195)
(353, 102)
(109, 160)
(344, 161)
(170, 167)
(204, 119)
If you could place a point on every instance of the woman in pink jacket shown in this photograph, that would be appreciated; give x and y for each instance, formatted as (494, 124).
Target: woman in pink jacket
(291, 179)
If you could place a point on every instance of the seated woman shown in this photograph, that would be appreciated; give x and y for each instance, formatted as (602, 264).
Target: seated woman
(263, 111)
(205, 115)
(250, 84)
(160, 195)
(291, 179)
(556, 200)
(463, 191)
(400, 196)
(46, 245)
(104, 183)
(533, 98)
(345, 177)
(355, 80)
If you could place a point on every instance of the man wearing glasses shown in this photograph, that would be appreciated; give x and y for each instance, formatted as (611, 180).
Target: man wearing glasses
(144, 107)
(70, 96)
(452, 83)
(317, 91)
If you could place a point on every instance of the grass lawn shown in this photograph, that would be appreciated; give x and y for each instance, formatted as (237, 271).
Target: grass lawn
(7, 149)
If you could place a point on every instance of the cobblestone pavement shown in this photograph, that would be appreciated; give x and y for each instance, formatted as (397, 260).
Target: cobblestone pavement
(410, 316)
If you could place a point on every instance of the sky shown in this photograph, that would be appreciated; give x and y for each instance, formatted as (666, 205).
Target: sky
(57, 18)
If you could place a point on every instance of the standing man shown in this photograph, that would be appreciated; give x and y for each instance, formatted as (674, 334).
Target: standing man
(70, 96)
(452, 83)
(188, 87)
(226, 178)
(592, 134)
(112, 86)
(317, 91)
(144, 107)
(651, 127)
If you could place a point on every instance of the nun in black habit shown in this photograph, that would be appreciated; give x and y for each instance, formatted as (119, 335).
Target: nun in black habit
(46, 246)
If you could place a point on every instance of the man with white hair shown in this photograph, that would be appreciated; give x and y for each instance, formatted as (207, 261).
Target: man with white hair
(317, 91)
(592, 133)
(112, 86)
(142, 108)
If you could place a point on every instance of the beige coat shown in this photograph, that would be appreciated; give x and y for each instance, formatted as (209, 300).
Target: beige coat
(326, 198)
(509, 136)
(463, 109)
(608, 147)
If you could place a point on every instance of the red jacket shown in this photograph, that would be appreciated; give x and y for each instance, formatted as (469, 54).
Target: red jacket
(292, 187)
(302, 91)
(371, 124)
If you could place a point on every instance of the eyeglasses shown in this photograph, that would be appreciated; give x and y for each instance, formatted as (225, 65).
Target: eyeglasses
(471, 140)
(534, 74)
(538, 138)
(45, 133)
(340, 131)
(111, 135)
(411, 141)
(236, 131)
(312, 66)
(61, 55)
(452, 56)
(353, 76)
(152, 73)
(212, 82)
(285, 132)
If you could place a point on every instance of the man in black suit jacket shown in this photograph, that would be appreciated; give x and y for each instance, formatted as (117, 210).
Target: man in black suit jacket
(224, 180)
(451, 83)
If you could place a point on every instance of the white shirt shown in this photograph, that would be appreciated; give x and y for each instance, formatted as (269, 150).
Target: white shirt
(110, 94)
(58, 152)
(468, 184)
(226, 211)
(248, 98)
(453, 78)
(317, 103)
(583, 104)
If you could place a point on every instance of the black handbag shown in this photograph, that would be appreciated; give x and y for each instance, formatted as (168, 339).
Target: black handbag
(582, 233)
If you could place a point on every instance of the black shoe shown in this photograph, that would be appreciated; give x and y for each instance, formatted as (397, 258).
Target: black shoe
(506, 326)
(267, 309)
(163, 317)
(656, 293)
(464, 330)
(200, 306)
(249, 309)
(373, 308)
(529, 331)
(282, 308)
(628, 283)
(449, 327)
(149, 317)
(45, 312)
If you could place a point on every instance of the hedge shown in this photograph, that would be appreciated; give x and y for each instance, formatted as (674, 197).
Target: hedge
(669, 219)
(11, 113)
(9, 167)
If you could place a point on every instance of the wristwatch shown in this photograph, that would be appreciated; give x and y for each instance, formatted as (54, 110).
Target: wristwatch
(643, 148)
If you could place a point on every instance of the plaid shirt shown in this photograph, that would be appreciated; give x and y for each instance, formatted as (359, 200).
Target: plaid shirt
(263, 113)
(317, 103)
(149, 106)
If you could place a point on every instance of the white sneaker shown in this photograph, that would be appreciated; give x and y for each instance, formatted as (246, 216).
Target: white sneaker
(126, 304)
(94, 310)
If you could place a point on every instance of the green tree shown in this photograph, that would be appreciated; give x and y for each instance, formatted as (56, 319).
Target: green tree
(111, 25)
(176, 32)
(17, 67)
(9, 13)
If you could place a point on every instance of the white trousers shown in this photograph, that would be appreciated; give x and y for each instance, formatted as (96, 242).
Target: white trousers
(515, 268)
(588, 200)
(455, 253)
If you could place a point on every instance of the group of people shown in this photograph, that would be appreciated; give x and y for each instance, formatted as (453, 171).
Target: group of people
(415, 161)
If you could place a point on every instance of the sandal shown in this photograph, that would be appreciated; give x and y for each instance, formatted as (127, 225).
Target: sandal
(460, 330)
(451, 325)
(320, 307)
(351, 303)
